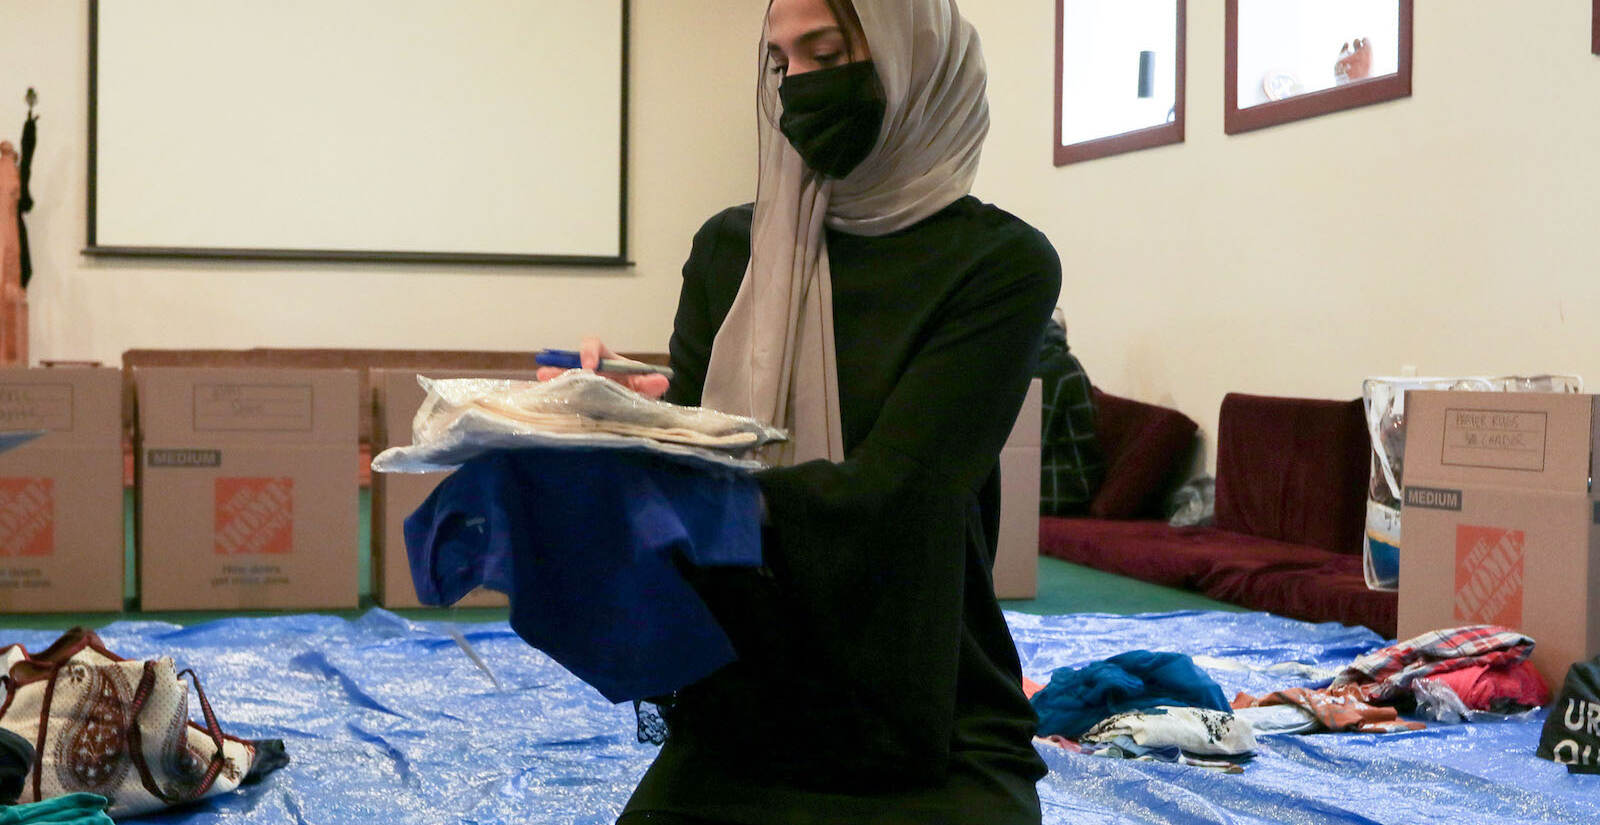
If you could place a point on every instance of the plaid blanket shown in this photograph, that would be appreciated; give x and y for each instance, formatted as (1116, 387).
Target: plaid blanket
(1386, 674)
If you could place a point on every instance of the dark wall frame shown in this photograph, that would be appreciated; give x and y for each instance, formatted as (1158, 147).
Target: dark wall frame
(1349, 96)
(1594, 29)
(351, 255)
(1160, 135)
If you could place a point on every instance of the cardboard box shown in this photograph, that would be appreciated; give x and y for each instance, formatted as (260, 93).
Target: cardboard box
(61, 519)
(247, 492)
(396, 397)
(1501, 526)
(1016, 562)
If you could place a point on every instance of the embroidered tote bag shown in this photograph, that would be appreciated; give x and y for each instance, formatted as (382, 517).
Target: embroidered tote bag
(118, 728)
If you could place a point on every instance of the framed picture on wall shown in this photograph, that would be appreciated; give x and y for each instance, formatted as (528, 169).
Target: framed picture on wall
(1119, 77)
(1594, 30)
(1288, 60)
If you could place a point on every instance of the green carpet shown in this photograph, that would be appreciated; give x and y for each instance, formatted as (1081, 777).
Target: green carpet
(1063, 588)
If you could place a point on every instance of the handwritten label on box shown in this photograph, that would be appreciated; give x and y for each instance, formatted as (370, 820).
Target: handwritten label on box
(35, 406)
(1497, 439)
(253, 407)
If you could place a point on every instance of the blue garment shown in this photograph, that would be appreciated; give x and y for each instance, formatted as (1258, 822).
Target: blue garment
(71, 809)
(585, 542)
(1075, 700)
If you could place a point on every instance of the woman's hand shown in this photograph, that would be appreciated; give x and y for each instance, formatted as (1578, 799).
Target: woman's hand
(589, 354)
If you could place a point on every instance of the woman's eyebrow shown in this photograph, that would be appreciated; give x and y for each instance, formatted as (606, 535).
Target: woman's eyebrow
(809, 37)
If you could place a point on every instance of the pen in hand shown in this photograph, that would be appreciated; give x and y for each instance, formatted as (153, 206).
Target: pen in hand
(568, 359)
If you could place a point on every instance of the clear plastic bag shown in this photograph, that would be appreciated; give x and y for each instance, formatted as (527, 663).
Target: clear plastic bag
(1384, 401)
(1194, 504)
(1437, 702)
(462, 418)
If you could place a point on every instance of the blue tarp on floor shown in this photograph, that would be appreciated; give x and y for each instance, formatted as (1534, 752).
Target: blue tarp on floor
(388, 721)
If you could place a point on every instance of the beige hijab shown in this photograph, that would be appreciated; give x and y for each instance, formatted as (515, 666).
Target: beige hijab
(773, 358)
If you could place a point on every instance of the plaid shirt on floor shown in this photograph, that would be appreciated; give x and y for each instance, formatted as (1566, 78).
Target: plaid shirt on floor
(1388, 673)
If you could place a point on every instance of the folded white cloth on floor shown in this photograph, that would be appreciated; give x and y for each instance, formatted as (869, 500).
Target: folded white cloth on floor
(1265, 720)
(1194, 730)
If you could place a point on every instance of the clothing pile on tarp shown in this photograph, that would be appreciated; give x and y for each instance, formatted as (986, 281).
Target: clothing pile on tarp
(1485, 666)
(1141, 705)
(1136, 704)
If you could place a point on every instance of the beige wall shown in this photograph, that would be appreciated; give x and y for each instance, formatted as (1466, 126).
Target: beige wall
(692, 65)
(1453, 231)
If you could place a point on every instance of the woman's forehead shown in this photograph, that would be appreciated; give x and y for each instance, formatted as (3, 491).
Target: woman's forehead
(793, 18)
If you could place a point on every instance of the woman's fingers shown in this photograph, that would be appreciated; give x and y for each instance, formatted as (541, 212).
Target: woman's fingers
(649, 386)
(547, 373)
(591, 351)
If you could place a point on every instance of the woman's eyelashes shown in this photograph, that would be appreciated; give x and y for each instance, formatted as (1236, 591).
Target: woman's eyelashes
(825, 60)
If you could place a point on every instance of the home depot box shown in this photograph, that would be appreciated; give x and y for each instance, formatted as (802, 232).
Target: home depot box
(1501, 524)
(61, 520)
(1016, 562)
(246, 488)
(396, 397)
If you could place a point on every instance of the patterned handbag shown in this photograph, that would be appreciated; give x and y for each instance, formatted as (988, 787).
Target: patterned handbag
(119, 728)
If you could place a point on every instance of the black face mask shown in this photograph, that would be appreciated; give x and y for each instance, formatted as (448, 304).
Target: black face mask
(832, 116)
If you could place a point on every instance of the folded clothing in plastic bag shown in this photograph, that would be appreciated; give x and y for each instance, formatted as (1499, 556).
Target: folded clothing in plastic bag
(463, 418)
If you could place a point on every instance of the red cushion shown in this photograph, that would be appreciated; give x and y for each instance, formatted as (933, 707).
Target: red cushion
(1294, 580)
(1330, 591)
(1154, 551)
(1293, 469)
(1145, 446)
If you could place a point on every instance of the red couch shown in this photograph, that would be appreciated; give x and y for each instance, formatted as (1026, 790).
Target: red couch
(1290, 505)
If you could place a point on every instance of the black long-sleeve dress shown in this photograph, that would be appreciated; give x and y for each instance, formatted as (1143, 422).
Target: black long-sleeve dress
(877, 681)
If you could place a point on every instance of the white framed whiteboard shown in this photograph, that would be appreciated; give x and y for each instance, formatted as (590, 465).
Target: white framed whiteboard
(474, 131)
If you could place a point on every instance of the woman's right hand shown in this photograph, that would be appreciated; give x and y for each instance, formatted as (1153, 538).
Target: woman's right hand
(589, 354)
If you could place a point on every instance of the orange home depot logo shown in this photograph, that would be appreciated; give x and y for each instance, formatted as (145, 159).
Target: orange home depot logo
(1488, 575)
(254, 515)
(27, 516)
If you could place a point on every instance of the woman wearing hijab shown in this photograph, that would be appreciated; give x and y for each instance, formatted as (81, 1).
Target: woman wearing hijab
(889, 320)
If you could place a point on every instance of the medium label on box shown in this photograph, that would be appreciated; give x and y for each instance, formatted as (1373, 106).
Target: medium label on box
(253, 407)
(36, 406)
(1489, 575)
(1433, 498)
(184, 458)
(254, 515)
(1496, 439)
(27, 516)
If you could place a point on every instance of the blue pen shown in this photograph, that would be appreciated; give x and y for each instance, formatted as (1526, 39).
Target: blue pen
(568, 359)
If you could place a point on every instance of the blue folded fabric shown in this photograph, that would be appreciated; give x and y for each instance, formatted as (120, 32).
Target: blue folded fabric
(1076, 699)
(585, 542)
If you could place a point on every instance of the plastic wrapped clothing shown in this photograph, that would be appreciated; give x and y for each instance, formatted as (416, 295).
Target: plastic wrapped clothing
(1078, 698)
(462, 418)
(586, 543)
